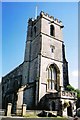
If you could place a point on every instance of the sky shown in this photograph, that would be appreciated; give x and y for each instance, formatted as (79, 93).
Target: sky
(15, 16)
(0, 40)
(78, 45)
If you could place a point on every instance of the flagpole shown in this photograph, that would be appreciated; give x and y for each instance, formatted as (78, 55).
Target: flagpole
(36, 13)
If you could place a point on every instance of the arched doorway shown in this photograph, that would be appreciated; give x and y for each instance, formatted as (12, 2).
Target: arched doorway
(69, 109)
(52, 106)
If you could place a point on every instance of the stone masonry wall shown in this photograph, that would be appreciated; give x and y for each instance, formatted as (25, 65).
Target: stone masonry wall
(10, 84)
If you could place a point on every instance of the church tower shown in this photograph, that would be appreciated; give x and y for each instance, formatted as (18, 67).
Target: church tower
(40, 81)
(44, 56)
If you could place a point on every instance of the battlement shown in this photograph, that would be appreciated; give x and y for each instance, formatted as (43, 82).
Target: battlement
(48, 17)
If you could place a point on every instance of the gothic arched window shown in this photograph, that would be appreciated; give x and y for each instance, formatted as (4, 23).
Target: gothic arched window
(52, 30)
(52, 77)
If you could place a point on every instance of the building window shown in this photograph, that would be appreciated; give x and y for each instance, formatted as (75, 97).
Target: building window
(16, 84)
(52, 77)
(31, 32)
(52, 30)
(35, 31)
(52, 49)
(3, 88)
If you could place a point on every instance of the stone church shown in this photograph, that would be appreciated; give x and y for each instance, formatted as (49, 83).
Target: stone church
(40, 81)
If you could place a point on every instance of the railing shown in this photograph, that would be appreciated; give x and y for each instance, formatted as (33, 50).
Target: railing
(68, 94)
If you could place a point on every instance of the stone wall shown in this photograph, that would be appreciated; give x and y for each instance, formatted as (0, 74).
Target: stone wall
(35, 47)
(47, 42)
(65, 69)
(46, 29)
(29, 97)
(9, 79)
(10, 85)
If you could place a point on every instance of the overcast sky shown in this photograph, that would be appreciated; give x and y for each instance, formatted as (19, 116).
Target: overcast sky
(14, 27)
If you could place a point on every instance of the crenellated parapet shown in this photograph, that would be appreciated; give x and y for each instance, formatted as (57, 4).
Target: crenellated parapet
(46, 16)
(51, 18)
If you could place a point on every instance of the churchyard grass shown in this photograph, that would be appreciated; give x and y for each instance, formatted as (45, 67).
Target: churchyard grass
(52, 118)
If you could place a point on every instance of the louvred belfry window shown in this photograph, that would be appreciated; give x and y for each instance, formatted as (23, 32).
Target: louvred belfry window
(52, 30)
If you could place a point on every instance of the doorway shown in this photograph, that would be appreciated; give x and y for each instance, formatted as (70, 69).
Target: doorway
(69, 109)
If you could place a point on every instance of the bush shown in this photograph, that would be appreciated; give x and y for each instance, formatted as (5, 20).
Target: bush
(70, 88)
(78, 93)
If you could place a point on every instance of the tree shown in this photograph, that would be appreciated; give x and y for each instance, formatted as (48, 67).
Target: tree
(70, 88)
(78, 93)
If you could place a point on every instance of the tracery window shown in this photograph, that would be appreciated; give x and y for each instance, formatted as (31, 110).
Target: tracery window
(52, 77)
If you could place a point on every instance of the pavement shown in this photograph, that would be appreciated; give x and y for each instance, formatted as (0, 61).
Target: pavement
(22, 118)
(72, 118)
(12, 118)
